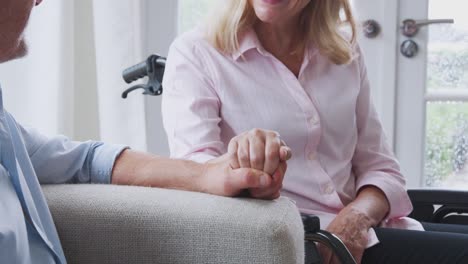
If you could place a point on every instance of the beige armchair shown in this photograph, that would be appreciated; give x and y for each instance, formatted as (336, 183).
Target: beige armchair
(117, 224)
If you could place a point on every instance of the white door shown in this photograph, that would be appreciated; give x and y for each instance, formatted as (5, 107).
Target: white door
(380, 56)
(432, 95)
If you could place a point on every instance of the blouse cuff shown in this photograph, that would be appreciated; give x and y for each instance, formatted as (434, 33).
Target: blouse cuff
(397, 196)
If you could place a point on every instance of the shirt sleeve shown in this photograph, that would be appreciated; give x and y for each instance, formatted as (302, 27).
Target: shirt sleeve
(59, 160)
(374, 162)
(190, 104)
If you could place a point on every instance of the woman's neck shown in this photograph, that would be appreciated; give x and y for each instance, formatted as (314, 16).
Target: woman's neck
(280, 39)
(286, 42)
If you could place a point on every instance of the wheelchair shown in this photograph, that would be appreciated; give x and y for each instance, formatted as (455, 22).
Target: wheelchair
(430, 205)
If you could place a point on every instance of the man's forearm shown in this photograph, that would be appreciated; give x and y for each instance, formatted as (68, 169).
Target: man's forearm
(142, 169)
(373, 202)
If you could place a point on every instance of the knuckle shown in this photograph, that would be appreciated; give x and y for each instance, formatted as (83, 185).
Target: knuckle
(273, 134)
(256, 159)
(243, 154)
(244, 160)
(233, 141)
(232, 150)
(232, 155)
(274, 142)
(272, 154)
(256, 132)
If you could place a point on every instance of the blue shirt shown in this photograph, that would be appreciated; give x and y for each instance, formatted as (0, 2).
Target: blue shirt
(28, 159)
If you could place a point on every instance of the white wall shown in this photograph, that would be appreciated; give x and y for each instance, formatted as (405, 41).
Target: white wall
(86, 117)
(30, 84)
(161, 17)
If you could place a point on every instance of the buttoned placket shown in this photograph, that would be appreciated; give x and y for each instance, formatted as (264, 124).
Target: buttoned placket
(312, 117)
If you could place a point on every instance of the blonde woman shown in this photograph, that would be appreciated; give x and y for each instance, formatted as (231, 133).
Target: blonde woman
(285, 66)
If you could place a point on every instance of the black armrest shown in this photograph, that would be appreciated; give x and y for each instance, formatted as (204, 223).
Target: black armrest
(453, 206)
(438, 197)
(311, 223)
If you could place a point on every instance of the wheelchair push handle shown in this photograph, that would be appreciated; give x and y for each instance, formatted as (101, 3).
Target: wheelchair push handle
(135, 72)
(153, 67)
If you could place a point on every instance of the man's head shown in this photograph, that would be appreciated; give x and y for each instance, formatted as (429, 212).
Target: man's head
(14, 16)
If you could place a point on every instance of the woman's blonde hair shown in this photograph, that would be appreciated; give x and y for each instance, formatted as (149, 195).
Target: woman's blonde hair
(322, 22)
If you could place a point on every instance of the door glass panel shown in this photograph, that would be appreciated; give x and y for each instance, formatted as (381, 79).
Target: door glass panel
(446, 144)
(448, 47)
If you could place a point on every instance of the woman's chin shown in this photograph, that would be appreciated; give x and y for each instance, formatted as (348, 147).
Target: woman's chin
(269, 17)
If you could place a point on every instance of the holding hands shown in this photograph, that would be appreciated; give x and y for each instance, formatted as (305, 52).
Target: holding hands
(255, 161)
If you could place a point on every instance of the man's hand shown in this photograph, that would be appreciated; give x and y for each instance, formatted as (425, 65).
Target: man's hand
(221, 179)
(214, 177)
(262, 150)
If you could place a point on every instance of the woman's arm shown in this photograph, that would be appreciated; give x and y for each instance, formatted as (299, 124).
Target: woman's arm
(190, 104)
(372, 202)
(374, 163)
(191, 116)
(380, 186)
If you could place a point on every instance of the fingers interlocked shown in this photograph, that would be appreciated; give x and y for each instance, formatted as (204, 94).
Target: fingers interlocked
(262, 150)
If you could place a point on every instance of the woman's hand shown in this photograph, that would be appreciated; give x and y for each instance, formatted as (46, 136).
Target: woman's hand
(262, 150)
(351, 226)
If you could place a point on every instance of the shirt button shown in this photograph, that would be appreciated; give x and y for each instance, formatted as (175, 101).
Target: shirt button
(313, 120)
(329, 189)
(312, 156)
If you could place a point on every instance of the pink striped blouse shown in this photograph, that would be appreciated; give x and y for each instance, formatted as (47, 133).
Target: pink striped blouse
(325, 115)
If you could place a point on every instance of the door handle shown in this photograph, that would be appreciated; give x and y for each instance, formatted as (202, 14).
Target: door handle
(411, 27)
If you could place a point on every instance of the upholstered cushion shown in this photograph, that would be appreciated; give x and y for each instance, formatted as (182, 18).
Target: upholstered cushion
(115, 224)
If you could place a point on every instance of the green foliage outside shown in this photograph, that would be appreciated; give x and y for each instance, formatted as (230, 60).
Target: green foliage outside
(446, 140)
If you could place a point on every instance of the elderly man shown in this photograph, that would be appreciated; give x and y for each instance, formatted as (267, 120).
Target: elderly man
(27, 158)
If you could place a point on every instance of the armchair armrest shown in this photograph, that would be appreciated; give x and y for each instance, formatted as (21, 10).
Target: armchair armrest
(121, 224)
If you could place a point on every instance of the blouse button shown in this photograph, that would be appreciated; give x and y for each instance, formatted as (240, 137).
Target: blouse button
(313, 120)
(329, 189)
(312, 156)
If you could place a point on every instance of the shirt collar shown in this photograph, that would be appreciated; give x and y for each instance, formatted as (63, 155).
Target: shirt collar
(249, 40)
